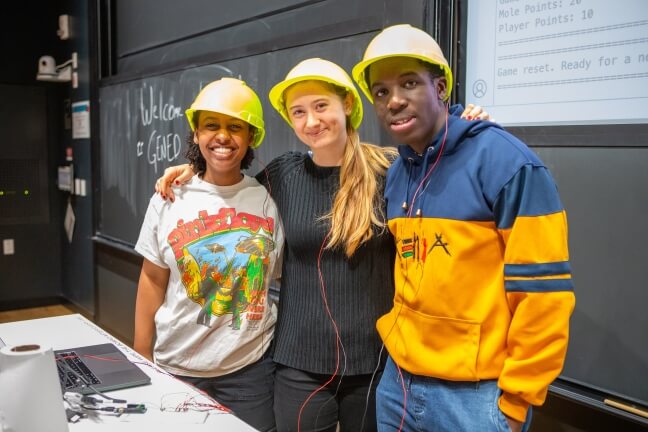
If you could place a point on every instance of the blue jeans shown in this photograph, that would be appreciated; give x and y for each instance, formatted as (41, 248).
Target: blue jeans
(438, 405)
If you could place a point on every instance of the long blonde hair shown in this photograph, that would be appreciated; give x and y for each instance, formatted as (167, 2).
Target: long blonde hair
(358, 206)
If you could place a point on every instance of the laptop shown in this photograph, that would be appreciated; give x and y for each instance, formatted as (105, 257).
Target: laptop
(104, 367)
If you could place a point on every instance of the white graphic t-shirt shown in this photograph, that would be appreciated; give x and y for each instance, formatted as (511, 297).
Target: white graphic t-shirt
(222, 245)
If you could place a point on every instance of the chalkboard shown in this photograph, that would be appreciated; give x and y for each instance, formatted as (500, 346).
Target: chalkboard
(604, 191)
(143, 129)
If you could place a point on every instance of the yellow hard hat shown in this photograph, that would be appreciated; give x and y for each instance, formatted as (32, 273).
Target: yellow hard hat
(231, 97)
(316, 69)
(401, 40)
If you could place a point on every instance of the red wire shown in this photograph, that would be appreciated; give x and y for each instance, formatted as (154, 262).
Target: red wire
(186, 404)
(445, 135)
(409, 214)
(400, 373)
(335, 327)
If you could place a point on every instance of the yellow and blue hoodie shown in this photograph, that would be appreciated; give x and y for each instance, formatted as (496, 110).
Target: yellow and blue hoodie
(483, 285)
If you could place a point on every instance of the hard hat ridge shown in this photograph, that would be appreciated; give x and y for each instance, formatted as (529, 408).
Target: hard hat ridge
(401, 40)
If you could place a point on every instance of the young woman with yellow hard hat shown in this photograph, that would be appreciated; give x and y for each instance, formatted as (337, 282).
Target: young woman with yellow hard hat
(337, 277)
(203, 312)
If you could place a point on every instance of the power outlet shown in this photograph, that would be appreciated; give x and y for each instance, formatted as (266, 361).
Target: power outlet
(8, 246)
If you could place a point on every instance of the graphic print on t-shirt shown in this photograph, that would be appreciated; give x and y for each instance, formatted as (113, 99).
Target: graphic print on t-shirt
(223, 261)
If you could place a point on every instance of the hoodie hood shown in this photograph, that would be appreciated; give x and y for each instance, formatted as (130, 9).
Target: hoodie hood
(458, 129)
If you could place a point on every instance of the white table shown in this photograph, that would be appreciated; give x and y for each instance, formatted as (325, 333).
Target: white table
(164, 392)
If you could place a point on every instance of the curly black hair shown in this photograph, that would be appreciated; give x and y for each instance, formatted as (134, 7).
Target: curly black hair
(197, 161)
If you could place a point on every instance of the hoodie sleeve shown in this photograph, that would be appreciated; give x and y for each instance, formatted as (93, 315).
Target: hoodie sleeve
(538, 284)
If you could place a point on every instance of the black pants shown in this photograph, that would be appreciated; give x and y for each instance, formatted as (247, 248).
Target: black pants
(248, 392)
(348, 402)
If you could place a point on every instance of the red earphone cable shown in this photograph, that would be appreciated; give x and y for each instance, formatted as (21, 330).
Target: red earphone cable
(436, 161)
(335, 327)
(400, 374)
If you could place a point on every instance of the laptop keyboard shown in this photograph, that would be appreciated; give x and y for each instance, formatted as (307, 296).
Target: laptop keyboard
(74, 363)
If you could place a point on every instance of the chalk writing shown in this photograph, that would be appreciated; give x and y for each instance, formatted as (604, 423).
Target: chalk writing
(161, 110)
(154, 111)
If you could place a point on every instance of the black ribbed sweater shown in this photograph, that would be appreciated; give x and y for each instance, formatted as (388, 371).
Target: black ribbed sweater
(358, 290)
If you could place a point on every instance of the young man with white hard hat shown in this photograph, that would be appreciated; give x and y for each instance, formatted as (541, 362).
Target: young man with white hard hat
(480, 320)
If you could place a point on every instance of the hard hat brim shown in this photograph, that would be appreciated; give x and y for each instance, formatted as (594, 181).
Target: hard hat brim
(277, 99)
(360, 77)
(231, 97)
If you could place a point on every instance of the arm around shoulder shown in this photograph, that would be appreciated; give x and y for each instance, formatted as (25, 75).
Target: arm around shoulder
(177, 174)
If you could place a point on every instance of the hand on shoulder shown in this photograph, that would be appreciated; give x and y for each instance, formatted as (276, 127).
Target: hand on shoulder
(173, 175)
(475, 112)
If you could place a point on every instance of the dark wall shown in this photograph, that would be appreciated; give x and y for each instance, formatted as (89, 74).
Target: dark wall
(34, 124)
(26, 36)
(28, 125)
(78, 255)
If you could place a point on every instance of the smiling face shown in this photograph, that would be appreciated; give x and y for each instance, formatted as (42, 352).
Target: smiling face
(318, 116)
(223, 142)
(407, 100)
